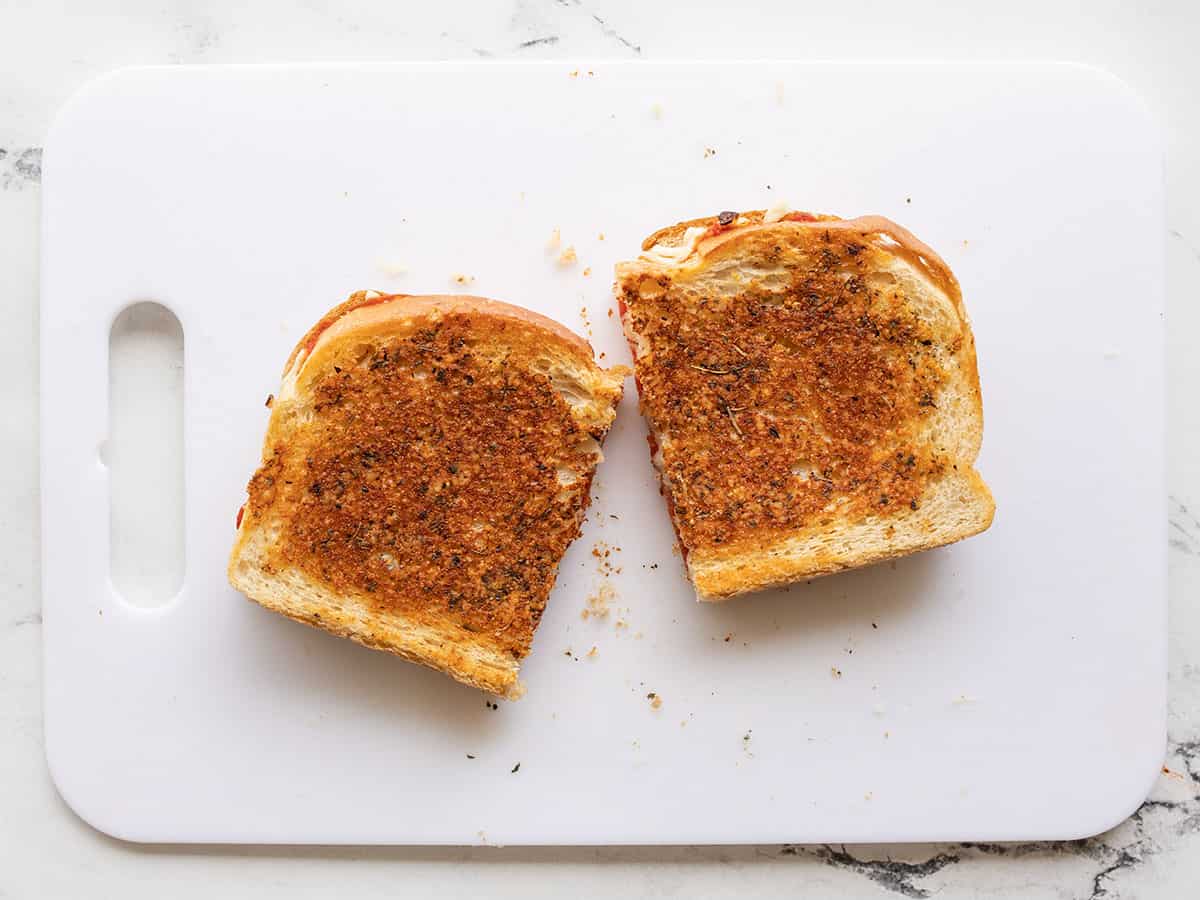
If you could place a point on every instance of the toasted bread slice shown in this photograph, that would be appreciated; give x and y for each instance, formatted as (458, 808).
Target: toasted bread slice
(428, 461)
(811, 389)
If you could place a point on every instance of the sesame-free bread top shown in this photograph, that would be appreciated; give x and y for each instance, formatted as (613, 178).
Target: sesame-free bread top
(428, 461)
(812, 394)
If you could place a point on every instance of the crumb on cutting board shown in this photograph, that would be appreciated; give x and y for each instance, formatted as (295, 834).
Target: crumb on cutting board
(598, 602)
(603, 551)
(391, 268)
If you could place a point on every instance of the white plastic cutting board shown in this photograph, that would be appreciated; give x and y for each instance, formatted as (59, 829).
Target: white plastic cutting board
(1009, 687)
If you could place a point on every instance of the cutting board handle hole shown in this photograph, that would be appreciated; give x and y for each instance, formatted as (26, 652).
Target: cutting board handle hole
(144, 455)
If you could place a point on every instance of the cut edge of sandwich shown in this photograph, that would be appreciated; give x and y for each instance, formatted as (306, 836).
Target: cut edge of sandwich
(955, 507)
(367, 317)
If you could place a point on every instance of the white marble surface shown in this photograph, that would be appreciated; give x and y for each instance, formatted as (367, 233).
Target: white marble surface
(48, 50)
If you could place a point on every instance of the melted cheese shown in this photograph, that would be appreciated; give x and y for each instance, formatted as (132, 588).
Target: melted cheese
(675, 254)
(776, 213)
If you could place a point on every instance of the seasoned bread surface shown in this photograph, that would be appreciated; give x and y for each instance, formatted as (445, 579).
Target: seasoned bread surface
(427, 462)
(812, 394)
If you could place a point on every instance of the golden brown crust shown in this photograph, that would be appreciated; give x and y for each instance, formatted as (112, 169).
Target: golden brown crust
(425, 465)
(793, 379)
(410, 305)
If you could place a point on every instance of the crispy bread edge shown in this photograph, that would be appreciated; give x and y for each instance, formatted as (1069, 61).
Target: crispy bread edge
(811, 553)
(291, 594)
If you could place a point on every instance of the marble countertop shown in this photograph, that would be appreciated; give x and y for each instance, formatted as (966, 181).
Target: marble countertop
(47, 52)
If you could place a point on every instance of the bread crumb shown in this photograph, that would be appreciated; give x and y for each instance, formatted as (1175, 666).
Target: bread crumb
(568, 257)
(709, 152)
(391, 268)
(554, 241)
(594, 652)
(574, 73)
(462, 280)
(587, 271)
(835, 671)
(600, 237)
(964, 700)
(729, 637)
(610, 312)
(637, 636)
(655, 700)
(598, 603)
(603, 551)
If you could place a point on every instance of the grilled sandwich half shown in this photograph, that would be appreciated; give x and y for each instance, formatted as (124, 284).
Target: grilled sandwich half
(812, 395)
(427, 462)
